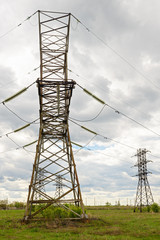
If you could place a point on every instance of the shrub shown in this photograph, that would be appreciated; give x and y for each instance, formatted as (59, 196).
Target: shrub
(143, 209)
(3, 206)
(19, 205)
(76, 209)
(155, 207)
(146, 209)
(53, 212)
(108, 204)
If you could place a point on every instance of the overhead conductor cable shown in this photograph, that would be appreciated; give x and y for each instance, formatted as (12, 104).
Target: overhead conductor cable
(117, 111)
(3, 35)
(117, 53)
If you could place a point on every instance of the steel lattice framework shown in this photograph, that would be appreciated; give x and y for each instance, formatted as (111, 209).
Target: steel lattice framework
(59, 187)
(144, 195)
(54, 154)
(40, 177)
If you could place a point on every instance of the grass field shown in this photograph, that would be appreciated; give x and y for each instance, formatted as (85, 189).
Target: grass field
(110, 224)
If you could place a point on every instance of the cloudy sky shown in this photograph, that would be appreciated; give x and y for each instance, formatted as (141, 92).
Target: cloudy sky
(118, 61)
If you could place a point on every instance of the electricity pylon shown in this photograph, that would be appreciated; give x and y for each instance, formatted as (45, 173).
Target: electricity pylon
(41, 187)
(59, 187)
(54, 155)
(144, 195)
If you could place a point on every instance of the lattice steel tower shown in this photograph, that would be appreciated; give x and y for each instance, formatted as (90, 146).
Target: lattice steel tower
(59, 187)
(41, 187)
(54, 154)
(144, 195)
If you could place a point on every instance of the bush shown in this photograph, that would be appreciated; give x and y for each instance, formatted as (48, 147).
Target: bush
(155, 207)
(19, 205)
(143, 209)
(108, 204)
(53, 212)
(146, 209)
(3, 206)
(76, 209)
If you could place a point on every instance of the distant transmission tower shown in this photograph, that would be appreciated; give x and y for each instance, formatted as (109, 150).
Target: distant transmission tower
(59, 187)
(54, 155)
(40, 184)
(144, 195)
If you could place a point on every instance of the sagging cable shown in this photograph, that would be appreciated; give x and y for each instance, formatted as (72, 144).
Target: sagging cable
(89, 120)
(18, 146)
(118, 112)
(83, 147)
(19, 129)
(98, 134)
(17, 114)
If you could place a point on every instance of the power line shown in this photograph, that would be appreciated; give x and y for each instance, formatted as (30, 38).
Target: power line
(154, 155)
(14, 96)
(98, 86)
(23, 147)
(84, 147)
(12, 29)
(81, 147)
(117, 111)
(124, 59)
(117, 53)
(99, 152)
(102, 108)
(13, 141)
(89, 120)
(18, 115)
(106, 138)
(19, 129)
(18, 146)
(149, 153)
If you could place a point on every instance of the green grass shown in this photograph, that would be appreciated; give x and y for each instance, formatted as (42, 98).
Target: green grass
(105, 224)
